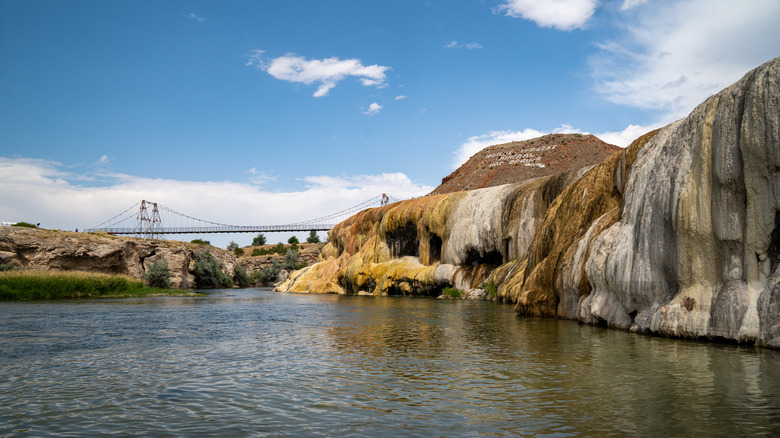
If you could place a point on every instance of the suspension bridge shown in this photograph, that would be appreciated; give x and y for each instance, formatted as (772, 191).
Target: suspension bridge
(145, 219)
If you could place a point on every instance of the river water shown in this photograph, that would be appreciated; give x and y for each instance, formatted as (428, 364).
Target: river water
(254, 363)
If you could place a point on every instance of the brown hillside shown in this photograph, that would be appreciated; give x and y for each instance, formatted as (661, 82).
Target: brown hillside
(520, 160)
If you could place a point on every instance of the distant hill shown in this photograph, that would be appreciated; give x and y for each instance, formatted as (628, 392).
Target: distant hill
(520, 160)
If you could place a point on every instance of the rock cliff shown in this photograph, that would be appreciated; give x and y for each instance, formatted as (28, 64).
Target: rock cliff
(37, 249)
(677, 235)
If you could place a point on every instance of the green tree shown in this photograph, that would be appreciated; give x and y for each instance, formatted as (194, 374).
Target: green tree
(158, 274)
(207, 272)
(201, 242)
(232, 246)
(313, 237)
(290, 259)
(259, 240)
(240, 276)
(293, 240)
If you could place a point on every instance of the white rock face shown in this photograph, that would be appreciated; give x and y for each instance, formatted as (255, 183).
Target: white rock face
(695, 249)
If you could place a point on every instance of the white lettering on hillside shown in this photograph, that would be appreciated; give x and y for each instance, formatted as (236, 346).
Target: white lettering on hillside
(526, 157)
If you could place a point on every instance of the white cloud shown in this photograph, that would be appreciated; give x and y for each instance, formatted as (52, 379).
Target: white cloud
(194, 17)
(478, 142)
(560, 14)
(675, 54)
(373, 109)
(39, 191)
(457, 45)
(326, 72)
(630, 4)
(400, 97)
(258, 177)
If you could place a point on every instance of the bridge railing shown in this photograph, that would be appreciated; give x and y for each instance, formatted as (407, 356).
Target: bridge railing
(234, 229)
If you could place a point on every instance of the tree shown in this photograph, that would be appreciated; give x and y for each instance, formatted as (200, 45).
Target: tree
(293, 240)
(207, 273)
(232, 246)
(290, 259)
(240, 276)
(259, 240)
(238, 252)
(158, 275)
(313, 237)
(201, 242)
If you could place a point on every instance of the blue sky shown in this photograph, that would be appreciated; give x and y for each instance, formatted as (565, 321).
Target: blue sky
(260, 112)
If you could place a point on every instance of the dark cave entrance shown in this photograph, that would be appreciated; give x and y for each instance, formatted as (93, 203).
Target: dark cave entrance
(403, 241)
(774, 243)
(493, 258)
(434, 245)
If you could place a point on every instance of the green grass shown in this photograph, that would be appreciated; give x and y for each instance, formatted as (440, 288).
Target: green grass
(46, 285)
(452, 292)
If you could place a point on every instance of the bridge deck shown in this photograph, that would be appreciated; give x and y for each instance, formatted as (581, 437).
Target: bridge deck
(205, 230)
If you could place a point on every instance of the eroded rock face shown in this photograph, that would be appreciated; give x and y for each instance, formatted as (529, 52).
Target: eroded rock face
(36, 249)
(677, 235)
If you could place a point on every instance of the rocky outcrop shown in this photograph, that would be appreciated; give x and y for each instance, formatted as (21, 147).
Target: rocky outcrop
(677, 235)
(36, 249)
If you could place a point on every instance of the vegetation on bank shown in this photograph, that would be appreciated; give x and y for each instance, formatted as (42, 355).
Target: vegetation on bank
(47, 285)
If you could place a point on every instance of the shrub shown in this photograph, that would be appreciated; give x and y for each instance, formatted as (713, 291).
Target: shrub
(259, 240)
(313, 237)
(290, 259)
(302, 264)
(207, 273)
(158, 275)
(256, 252)
(271, 272)
(452, 292)
(238, 252)
(293, 240)
(491, 289)
(257, 278)
(240, 276)
(25, 224)
(232, 246)
(5, 267)
(201, 242)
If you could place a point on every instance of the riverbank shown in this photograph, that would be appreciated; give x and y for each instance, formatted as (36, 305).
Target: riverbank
(42, 285)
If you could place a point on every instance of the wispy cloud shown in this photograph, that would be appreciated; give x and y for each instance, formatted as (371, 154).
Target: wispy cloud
(560, 14)
(326, 72)
(193, 17)
(674, 54)
(373, 109)
(259, 177)
(456, 45)
(400, 97)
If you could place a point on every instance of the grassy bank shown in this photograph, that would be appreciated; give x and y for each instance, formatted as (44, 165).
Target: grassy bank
(45, 285)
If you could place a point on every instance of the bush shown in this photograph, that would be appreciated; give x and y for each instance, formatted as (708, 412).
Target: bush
(293, 240)
(207, 273)
(302, 264)
(5, 267)
(313, 237)
(25, 224)
(451, 292)
(201, 242)
(259, 240)
(238, 252)
(240, 276)
(257, 278)
(232, 246)
(158, 275)
(256, 252)
(491, 289)
(290, 259)
(271, 273)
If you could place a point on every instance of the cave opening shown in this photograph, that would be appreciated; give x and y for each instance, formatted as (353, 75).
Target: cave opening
(434, 245)
(474, 258)
(774, 243)
(403, 241)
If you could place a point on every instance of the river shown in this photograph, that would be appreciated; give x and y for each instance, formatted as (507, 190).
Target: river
(254, 363)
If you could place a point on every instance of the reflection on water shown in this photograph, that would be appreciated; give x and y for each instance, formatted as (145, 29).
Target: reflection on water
(251, 362)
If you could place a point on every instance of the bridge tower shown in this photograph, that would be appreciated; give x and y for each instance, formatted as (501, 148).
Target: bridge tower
(148, 227)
